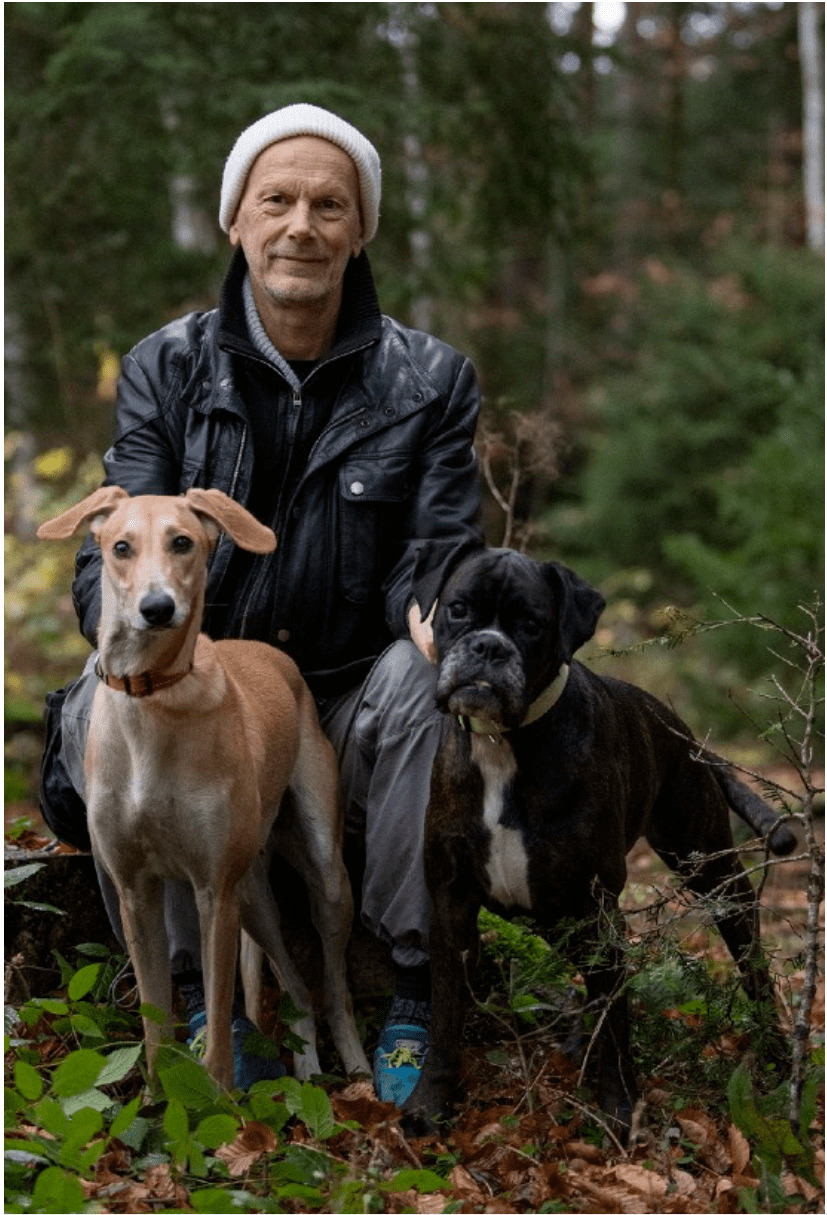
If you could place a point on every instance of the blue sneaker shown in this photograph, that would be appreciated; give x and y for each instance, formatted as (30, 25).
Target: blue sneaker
(397, 1061)
(248, 1067)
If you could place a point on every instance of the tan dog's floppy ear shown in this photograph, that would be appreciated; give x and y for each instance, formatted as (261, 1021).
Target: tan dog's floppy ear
(96, 507)
(230, 517)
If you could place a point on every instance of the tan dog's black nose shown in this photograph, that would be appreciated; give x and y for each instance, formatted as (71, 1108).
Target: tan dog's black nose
(157, 609)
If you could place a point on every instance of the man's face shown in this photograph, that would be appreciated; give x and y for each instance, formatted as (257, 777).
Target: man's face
(299, 222)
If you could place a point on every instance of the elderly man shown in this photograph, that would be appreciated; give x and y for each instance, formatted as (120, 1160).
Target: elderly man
(351, 436)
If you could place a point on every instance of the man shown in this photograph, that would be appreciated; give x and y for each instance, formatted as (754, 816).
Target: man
(351, 436)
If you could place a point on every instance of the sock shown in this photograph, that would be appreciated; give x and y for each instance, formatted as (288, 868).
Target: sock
(411, 1003)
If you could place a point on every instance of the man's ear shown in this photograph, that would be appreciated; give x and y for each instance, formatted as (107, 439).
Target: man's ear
(580, 606)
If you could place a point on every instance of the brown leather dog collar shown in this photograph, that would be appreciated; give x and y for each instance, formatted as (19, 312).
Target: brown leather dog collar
(141, 685)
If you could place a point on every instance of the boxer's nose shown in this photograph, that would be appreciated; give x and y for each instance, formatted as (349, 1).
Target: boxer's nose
(491, 647)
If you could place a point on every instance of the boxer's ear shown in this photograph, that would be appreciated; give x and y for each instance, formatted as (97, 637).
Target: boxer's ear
(436, 560)
(580, 606)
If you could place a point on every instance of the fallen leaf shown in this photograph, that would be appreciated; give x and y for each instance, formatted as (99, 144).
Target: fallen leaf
(739, 1149)
(646, 1181)
(252, 1142)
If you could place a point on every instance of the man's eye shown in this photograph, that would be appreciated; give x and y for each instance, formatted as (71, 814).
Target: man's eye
(181, 544)
(121, 549)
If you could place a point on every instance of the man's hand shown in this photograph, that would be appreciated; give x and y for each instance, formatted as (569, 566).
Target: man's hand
(422, 633)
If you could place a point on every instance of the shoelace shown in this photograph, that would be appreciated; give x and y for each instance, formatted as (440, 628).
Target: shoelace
(404, 1056)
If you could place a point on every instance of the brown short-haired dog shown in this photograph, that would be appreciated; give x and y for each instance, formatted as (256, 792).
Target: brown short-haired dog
(192, 744)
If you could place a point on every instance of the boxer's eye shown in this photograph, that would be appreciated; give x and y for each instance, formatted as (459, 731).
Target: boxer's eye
(458, 610)
(533, 628)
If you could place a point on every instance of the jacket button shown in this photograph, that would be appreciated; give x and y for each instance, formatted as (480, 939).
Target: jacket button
(357, 488)
(283, 635)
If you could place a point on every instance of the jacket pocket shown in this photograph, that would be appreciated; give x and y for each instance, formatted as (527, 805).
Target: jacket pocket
(371, 491)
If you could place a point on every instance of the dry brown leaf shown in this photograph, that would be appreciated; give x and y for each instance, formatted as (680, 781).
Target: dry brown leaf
(428, 1204)
(797, 1185)
(685, 1184)
(646, 1181)
(700, 1129)
(739, 1149)
(463, 1185)
(250, 1144)
(613, 1197)
(162, 1187)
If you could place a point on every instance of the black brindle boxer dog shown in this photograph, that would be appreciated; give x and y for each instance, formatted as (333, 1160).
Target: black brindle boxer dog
(546, 776)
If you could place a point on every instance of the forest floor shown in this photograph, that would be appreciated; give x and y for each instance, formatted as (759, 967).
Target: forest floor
(525, 1138)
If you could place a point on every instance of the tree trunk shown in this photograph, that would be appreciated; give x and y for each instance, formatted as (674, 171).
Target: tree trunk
(812, 91)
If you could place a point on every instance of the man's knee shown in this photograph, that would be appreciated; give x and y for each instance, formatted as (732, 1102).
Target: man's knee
(404, 680)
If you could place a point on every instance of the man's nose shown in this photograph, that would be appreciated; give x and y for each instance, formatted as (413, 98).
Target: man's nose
(300, 225)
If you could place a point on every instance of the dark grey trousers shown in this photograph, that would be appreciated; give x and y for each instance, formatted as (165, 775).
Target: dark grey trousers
(386, 734)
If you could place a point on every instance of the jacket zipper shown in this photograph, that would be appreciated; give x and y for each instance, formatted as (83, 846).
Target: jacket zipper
(278, 516)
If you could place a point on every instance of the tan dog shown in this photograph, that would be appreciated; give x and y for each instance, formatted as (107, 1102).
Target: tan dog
(192, 744)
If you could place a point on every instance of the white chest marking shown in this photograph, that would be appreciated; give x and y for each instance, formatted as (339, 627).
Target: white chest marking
(507, 867)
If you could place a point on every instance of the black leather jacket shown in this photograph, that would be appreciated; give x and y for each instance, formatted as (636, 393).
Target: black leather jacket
(393, 465)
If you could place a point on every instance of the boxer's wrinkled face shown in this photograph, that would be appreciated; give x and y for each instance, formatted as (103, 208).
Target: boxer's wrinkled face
(494, 631)
(503, 628)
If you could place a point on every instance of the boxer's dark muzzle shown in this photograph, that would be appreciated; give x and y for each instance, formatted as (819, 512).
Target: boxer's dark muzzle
(481, 675)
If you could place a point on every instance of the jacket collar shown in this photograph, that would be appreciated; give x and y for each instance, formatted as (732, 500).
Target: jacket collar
(360, 319)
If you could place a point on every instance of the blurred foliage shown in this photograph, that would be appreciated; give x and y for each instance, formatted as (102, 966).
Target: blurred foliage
(610, 225)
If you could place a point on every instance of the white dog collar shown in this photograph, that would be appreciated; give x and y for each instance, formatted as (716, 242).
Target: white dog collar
(537, 709)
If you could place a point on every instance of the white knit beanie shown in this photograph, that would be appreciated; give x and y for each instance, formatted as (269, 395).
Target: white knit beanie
(302, 120)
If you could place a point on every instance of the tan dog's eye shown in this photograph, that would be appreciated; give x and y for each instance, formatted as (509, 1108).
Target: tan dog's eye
(121, 549)
(181, 544)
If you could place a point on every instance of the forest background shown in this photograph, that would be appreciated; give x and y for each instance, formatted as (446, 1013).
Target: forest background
(615, 210)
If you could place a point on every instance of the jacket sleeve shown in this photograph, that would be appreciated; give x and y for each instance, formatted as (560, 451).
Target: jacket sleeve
(444, 508)
(140, 460)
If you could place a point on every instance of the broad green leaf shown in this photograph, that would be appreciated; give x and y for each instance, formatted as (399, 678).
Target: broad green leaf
(83, 1126)
(86, 1027)
(426, 1181)
(189, 1083)
(176, 1123)
(125, 1118)
(56, 1007)
(91, 950)
(316, 1111)
(119, 1063)
(90, 1098)
(49, 1114)
(83, 982)
(215, 1200)
(28, 1081)
(77, 1072)
(13, 877)
(151, 1013)
(57, 1191)
(216, 1129)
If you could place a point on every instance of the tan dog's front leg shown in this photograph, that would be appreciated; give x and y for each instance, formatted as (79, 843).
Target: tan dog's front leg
(219, 919)
(142, 916)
